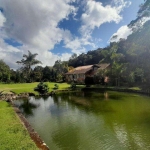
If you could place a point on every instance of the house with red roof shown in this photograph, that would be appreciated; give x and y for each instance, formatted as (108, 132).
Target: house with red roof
(79, 74)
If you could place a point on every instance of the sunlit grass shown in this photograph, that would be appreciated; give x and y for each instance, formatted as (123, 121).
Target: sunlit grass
(135, 88)
(13, 135)
(29, 87)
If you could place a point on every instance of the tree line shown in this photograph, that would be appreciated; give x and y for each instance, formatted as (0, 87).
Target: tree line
(129, 59)
(27, 73)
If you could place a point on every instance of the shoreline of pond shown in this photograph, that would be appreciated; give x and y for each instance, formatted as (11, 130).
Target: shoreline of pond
(12, 96)
(127, 90)
(33, 134)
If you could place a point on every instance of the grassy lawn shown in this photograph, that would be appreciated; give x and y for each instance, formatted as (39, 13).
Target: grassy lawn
(29, 87)
(135, 88)
(13, 135)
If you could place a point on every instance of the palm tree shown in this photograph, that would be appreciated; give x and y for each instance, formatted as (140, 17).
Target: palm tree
(28, 62)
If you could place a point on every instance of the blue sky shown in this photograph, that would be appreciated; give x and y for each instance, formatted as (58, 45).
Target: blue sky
(57, 29)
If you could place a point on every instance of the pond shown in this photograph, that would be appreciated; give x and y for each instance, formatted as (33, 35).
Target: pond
(90, 120)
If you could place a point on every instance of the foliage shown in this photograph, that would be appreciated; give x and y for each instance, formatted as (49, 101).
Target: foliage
(60, 67)
(73, 86)
(56, 86)
(4, 72)
(27, 63)
(12, 129)
(92, 57)
(42, 88)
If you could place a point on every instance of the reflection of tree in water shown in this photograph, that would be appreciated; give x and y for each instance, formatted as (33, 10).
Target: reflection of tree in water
(59, 108)
(27, 107)
(59, 99)
(88, 101)
(55, 98)
(45, 98)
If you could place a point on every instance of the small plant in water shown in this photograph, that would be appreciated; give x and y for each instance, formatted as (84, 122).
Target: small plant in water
(42, 88)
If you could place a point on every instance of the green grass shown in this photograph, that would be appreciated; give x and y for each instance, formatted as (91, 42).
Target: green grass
(29, 87)
(13, 135)
(135, 88)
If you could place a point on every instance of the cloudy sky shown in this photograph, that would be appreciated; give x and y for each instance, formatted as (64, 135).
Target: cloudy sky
(55, 29)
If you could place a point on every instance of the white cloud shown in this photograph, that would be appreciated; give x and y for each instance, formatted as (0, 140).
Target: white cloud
(9, 54)
(2, 19)
(65, 56)
(121, 4)
(122, 33)
(139, 24)
(29, 19)
(78, 44)
(34, 24)
(96, 14)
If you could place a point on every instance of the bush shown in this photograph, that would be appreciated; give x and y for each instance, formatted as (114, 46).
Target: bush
(56, 86)
(73, 86)
(42, 88)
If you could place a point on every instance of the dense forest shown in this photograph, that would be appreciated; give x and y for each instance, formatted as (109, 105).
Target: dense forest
(129, 59)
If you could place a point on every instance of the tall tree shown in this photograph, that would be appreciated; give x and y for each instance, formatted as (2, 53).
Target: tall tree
(28, 61)
(4, 72)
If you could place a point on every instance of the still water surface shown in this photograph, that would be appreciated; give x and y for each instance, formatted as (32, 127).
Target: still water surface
(90, 121)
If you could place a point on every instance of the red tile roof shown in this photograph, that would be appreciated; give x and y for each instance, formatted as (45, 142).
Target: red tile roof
(80, 70)
(84, 69)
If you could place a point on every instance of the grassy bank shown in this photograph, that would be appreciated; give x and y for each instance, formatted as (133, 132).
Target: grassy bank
(13, 135)
(29, 87)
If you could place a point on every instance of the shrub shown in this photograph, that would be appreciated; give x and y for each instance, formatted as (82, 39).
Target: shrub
(73, 86)
(42, 88)
(56, 86)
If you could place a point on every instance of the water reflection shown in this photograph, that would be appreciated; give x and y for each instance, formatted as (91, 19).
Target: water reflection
(93, 120)
(26, 106)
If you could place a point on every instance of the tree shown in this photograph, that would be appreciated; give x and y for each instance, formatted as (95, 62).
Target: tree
(13, 75)
(47, 74)
(61, 67)
(28, 62)
(37, 73)
(4, 72)
(73, 56)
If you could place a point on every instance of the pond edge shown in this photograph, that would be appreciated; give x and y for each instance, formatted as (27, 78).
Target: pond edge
(33, 134)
